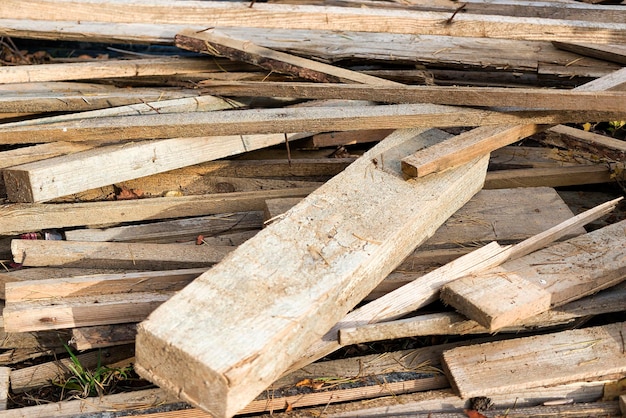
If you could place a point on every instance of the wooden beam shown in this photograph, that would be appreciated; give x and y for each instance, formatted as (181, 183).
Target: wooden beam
(465, 146)
(551, 277)
(48, 179)
(345, 258)
(214, 42)
(303, 119)
(42, 253)
(87, 338)
(529, 98)
(19, 218)
(103, 69)
(419, 293)
(215, 14)
(536, 361)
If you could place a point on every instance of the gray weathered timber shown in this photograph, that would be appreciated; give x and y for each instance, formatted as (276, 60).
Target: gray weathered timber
(256, 312)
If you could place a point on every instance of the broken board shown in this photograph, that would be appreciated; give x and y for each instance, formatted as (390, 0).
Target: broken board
(233, 331)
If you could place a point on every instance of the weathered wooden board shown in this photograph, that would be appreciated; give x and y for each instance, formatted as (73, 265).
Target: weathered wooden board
(529, 98)
(147, 256)
(597, 144)
(551, 177)
(87, 338)
(536, 361)
(615, 53)
(301, 119)
(335, 261)
(45, 180)
(202, 15)
(24, 217)
(103, 69)
(525, 287)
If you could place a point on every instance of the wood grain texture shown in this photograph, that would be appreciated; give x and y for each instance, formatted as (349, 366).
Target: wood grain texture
(536, 361)
(201, 15)
(525, 287)
(314, 280)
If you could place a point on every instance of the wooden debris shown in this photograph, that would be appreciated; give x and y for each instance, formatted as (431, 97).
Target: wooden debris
(230, 389)
(536, 361)
(614, 53)
(87, 338)
(450, 323)
(34, 376)
(525, 287)
(549, 177)
(601, 146)
(42, 253)
(419, 293)
(4, 387)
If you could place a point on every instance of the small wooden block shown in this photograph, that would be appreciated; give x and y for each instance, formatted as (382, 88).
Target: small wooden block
(551, 277)
(518, 298)
(544, 360)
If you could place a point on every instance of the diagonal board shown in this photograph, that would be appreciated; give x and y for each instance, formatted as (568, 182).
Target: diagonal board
(536, 361)
(234, 330)
(532, 284)
(469, 145)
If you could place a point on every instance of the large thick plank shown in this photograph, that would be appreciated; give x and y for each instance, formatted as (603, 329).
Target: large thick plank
(201, 15)
(529, 98)
(465, 146)
(18, 218)
(532, 284)
(302, 119)
(322, 274)
(536, 361)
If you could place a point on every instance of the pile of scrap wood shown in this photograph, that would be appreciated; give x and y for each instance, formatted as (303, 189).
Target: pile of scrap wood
(342, 208)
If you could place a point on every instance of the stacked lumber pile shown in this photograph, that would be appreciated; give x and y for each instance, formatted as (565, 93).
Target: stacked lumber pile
(335, 208)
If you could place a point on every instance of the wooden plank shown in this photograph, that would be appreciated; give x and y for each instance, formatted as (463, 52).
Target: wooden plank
(35, 376)
(100, 284)
(599, 145)
(103, 69)
(19, 218)
(45, 180)
(214, 42)
(331, 139)
(613, 53)
(309, 119)
(82, 311)
(74, 97)
(525, 287)
(451, 323)
(141, 400)
(465, 146)
(419, 293)
(87, 338)
(215, 14)
(345, 258)
(550, 177)
(176, 230)
(42, 253)
(543, 360)
(529, 98)
(622, 404)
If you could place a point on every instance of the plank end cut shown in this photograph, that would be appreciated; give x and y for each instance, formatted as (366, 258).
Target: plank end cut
(18, 185)
(228, 335)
